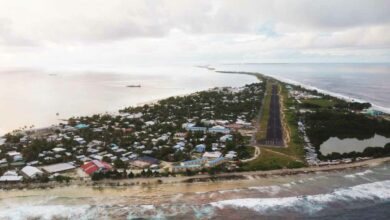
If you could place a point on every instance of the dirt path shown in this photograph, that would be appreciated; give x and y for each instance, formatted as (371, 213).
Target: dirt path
(255, 155)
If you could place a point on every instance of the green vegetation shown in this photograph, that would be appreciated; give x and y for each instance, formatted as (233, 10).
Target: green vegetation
(322, 125)
(318, 103)
(269, 160)
(294, 147)
(262, 132)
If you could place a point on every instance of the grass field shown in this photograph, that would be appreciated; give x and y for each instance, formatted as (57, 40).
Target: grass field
(269, 160)
(323, 103)
(262, 132)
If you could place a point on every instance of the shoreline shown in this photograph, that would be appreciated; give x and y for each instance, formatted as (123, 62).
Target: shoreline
(309, 87)
(200, 178)
(245, 175)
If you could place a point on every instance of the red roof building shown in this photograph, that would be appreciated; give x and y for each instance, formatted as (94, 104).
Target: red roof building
(96, 166)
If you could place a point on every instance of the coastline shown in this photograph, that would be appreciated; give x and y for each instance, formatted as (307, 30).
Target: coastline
(246, 175)
(222, 177)
(309, 87)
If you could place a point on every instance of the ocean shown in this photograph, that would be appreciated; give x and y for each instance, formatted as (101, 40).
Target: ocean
(368, 82)
(349, 194)
(34, 97)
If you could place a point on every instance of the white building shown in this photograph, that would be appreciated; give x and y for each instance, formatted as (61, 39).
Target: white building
(212, 155)
(11, 176)
(59, 167)
(31, 172)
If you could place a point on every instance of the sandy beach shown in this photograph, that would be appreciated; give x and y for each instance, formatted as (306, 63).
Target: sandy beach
(222, 177)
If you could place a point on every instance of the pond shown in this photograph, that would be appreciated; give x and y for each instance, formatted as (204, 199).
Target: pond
(346, 145)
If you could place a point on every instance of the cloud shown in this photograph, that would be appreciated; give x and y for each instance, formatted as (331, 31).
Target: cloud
(84, 31)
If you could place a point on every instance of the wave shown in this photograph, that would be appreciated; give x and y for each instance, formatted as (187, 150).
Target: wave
(46, 212)
(310, 204)
(358, 174)
(327, 92)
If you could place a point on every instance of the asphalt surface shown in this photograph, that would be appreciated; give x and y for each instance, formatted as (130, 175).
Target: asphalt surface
(274, 128)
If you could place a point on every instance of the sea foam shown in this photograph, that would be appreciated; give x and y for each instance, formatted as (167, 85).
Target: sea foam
(377, 192)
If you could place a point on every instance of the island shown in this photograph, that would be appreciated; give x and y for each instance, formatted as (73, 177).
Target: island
(265, 128)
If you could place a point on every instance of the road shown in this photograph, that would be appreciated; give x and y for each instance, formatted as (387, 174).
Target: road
(274, 135)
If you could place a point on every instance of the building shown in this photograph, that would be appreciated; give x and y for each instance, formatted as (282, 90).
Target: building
(216, 162)
(219, 129)
(96, 166)
(11, 176)
(212, 155)
(81, 126)
(200, 148)
(225, 138)
(180, 168)
(197, 129)
(31, 172)
(57, 168)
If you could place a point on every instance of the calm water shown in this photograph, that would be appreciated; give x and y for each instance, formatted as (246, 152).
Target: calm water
(368, 82)
(352, 194)
(30, 97)
(335, 144)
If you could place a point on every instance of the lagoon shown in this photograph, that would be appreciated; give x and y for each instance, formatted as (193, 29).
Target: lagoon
(34, 97)
(346, 145)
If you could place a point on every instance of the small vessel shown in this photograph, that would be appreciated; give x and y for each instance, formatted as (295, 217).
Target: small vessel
(133, 86)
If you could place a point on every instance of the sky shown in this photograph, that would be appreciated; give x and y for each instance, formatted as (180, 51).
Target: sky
(94, 34)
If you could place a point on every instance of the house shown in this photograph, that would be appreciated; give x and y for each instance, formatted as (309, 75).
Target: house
(197, 129)
(96, 166)
(149, 160)
(199, 161)
(11, 176)
(231, 154)
(200, 148)
(58, 150)
(16, 156)
(219, 129)
(150, 123)
(180, 168)
(225, 138)
(140, 164)
(3, 163)
(216, 162)
(81, 126)
(80, 140)
(57, 168)
(212, 155)
(31, 172)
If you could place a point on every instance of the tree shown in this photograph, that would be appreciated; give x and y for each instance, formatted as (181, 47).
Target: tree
(118, 163)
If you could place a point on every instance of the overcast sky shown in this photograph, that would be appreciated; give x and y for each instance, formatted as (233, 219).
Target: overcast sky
(116, 33)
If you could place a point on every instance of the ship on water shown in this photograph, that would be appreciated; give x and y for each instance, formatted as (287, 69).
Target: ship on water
(134, 86)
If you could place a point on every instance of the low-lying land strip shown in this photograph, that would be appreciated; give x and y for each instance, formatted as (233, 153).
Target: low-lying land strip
(210, 134)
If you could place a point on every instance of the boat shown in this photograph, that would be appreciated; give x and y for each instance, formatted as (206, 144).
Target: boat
(134, 86)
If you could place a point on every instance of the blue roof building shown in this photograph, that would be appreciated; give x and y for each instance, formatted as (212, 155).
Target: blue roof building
(200, 148)
(81, 126)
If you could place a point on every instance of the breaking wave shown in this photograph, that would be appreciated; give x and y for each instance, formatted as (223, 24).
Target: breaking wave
(371, 193)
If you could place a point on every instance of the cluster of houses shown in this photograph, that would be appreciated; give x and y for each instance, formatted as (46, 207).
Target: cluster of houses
(171, 130)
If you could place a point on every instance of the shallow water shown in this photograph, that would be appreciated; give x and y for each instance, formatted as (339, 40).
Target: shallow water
(33, 97)
(324, 195)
